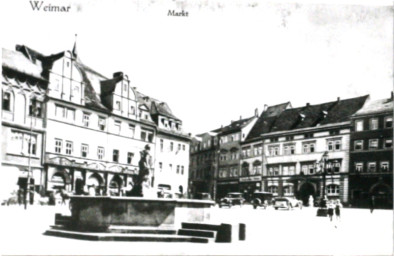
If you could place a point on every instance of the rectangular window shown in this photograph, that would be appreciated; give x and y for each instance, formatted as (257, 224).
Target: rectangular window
(161, 145)
(273, 150)
(373, 143)
(115, 155)
(60, 111)
(388, 143)
(58, 145)
(304, 169)
(131, 130)
(35, 108)
(291, 170)
(373, 124)
(117, 105)
(170, 167)
(100, 153)
(84, 150)
(371, 167)
(160, 166)
(177, 169)
(359, 167)
(179, 147)
(7, 101)
(388, 122)
(143, 135)
(69, 147)
(308, 147)
(285, 170)
(183, 147)
(117, 125)
(289, 149)
(171, 146)
(70, 114)
(358, 145)
(101, 123)
(86, 119)
(130, 157)
(384, 166)
(359, 125)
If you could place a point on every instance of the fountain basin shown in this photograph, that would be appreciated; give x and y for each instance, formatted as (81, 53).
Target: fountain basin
(97, 213)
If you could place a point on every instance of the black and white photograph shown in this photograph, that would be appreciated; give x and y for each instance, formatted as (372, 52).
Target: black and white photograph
(197, 127)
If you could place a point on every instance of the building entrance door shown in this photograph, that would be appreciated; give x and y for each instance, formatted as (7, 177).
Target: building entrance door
(306, 190)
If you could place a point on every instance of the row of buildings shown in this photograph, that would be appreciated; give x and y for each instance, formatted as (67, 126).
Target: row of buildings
(65, 125)
(280, 151)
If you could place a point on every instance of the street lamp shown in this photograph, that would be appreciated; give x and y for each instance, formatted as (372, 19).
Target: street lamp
(322, 211)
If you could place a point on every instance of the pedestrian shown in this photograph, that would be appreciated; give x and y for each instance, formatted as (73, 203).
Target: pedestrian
(20, 196)
(338, 207)
(330, 210)
(372, 203)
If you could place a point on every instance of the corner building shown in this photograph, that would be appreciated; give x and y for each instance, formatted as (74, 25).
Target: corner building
(371, 155)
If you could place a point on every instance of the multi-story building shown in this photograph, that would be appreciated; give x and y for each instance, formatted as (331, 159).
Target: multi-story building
(96, 126)
(22, 114)
(371, 155)
(230, 138)
(203, 163)
(252, 158)
(293, 146)
(172, 147)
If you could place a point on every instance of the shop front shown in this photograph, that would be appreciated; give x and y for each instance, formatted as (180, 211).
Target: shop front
(224, 187)
(249, 185)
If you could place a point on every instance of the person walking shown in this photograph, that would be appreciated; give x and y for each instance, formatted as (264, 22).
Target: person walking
(330, 210)
(372, 204)
(338, 207)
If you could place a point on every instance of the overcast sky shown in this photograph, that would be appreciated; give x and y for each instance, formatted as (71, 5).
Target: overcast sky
(227, 57)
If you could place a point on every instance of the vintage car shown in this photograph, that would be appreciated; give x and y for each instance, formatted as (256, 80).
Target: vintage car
(286, 203)
(233, 198)
(261, 199)
(203, 196)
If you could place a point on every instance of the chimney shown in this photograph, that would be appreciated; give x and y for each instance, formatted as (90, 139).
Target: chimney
(240, 117)
(338, 98)
(256, 112)
(118, 74)
(307, 104)
(265, 107)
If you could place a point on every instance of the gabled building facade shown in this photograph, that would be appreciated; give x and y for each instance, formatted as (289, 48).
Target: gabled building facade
(371, 155)
(253, 157)
(96, 126)
(230, 138)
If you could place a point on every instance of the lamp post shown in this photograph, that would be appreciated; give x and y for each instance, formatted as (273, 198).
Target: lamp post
(322, 211)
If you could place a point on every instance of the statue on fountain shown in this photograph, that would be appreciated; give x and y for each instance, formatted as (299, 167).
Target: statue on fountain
(142, 185)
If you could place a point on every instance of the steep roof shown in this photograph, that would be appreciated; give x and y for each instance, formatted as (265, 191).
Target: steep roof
(376, 106)
(316, 115)
(234, 126)
(155, 106)
(19, 62)
(266, 119)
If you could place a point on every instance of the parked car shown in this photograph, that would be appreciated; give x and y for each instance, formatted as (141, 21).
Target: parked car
(233, 198)
(286, 203)
(203, 196)
(261, 199)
